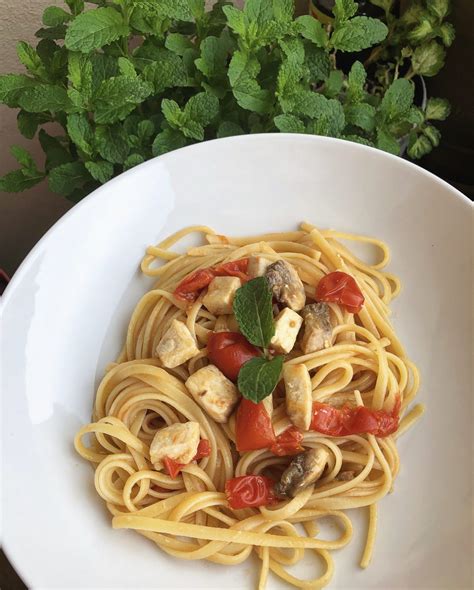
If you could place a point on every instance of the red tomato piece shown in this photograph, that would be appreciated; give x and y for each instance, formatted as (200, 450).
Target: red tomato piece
(359, 420)
(172, 467)
(229, 351)
(203, 450)
(190, 287)
(253, 427)
(288, 442)
(339, 287)
(250, 491)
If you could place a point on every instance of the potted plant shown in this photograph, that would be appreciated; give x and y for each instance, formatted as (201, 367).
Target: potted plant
(131, 79)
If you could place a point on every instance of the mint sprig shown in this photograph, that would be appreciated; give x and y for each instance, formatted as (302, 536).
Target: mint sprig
(259, 377)
(253, 311)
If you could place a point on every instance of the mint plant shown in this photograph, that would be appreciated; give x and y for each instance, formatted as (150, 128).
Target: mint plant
(127, 80)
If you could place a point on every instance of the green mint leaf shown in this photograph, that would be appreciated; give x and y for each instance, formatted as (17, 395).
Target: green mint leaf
(80, 132)
(66, 178)
(100, 170)
(432, 134)
(168, 71)
(344, 10)
(418, 146)
(173, 9)
(30, 59)
(117, 97)
(53, 16)
(387, 142)
(428, 59)
(167, 141)
(12, 86)
(242, 66)
(242, 71)
(289, 124)
(202, 107)
(437, 109)
(197, 8)
(212, 61)
(356, 82)
(103, 68)
(126, 68)
(258, 11)
(193, 129)
(145, 130)
(56, 153)
(317, 63)
(333, 84)
(75, 6)
(258, 378)
(94, 29)
(80, 74)
(26, 161)
(312, 30)
(111, 142)
(229, 129)
(397, 100)
(178, 43)
(236, 20)
(133, 160)
(359, 33)
(424, 30)
(283, 10)
(415, 116)
(16, 181)
(44, 97)
(253, 311)
(28, 123)
(293, 50)
(330, 121)
(447, 33)
(361, 115)
(57, 32)
(173, 113)
(252, 97)
(439, 8)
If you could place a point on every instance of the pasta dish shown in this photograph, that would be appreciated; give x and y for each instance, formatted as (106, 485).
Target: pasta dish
(261, 388)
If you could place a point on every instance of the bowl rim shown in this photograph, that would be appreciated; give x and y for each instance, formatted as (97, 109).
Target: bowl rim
(196, 147)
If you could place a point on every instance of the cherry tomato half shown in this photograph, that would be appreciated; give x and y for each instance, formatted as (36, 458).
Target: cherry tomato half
(229, 351)
(250, 491)
(253, 427)
(339, 287)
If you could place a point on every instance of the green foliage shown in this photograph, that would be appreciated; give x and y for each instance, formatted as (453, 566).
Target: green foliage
(191, 75)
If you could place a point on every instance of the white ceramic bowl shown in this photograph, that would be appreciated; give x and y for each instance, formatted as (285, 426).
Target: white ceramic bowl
(66, 311)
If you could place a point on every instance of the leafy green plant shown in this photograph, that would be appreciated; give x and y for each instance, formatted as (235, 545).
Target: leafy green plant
(131, 79)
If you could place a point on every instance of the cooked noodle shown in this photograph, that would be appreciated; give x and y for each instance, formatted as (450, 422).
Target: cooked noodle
(189, 516)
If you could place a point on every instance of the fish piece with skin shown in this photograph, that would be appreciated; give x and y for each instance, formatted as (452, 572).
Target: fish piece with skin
(178, 442)
(304, 470)
(286, 284)
(299, 396)
(317, 332)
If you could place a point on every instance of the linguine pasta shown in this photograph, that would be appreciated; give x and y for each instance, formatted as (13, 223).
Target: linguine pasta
(189, 516)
